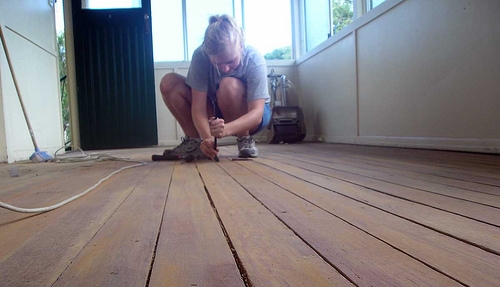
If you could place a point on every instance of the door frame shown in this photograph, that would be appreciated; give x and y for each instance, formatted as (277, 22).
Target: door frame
(71, 75)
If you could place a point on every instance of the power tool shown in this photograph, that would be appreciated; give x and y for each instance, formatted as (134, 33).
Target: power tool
(287, 122)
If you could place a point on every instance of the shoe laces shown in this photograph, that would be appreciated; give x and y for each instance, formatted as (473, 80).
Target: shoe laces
(190, 144)
(246, 142)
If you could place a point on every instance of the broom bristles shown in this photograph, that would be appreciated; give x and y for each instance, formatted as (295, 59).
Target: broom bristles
(40, 156)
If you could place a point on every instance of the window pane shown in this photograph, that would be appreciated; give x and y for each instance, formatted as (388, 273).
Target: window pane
(342, 13)
(111, 4)
(317, 18)
(168, 43)
(268, 27)
(375, 3)
(198, 13)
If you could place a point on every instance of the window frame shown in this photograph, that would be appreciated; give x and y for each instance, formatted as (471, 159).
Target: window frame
(298, 25)
(238, 12)
(361, 17)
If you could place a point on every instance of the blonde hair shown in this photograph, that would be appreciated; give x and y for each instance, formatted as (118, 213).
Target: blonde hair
(222, 31)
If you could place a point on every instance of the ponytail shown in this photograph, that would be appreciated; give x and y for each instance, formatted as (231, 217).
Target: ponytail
(222, 31)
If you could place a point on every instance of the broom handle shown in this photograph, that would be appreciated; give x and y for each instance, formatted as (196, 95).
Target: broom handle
(17, 88)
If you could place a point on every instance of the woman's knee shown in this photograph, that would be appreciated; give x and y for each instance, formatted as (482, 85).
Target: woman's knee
(169, 82)
(230, 89)
(231, 98)
(172, 85)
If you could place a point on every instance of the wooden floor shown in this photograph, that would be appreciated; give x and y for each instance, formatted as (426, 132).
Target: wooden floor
(299, 215)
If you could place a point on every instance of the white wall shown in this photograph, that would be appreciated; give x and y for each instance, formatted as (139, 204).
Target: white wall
(29, 28)
(409, 73)
(169, 131)
(3, 137)
(416, 73)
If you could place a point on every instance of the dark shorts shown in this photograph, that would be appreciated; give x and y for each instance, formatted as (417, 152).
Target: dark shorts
(266, 117)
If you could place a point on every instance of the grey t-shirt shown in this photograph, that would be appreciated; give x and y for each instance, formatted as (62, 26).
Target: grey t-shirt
(252, 71)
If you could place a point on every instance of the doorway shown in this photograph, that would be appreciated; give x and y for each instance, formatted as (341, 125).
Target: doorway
(114, 74)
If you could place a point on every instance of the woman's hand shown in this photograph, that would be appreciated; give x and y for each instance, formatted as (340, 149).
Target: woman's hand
(207, 147)
(217, 127)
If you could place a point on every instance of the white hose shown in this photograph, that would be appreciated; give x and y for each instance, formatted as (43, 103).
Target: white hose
(52, 207)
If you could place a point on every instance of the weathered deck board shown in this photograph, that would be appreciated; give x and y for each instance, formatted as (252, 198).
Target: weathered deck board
(452, 257)
(474, 180)
(16, 228)
(448, 223)
(121, 252)
(306, 214)
(378, 182)
(270, 252)
(363, 258)
(192, 249)
(458, 169)
(479, 192)
(43, 256)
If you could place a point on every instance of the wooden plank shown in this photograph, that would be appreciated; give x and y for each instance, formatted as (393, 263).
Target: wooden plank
(459, 164)
(192, 249)
(32, 175)
(448, 223)
(486, 196)
(365, 260)
(443, 158)
(271, 254)
(457, 259)
(487, 214)
(484, 188)
(16, 228)
(470, 178)
(33, 190)
(41, 259)
(121, 252)
(474, 164)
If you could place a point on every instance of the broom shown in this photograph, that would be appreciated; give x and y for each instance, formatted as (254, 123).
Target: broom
(37, 156)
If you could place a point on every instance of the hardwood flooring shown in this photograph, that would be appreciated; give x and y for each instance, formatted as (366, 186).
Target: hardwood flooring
(307, 214)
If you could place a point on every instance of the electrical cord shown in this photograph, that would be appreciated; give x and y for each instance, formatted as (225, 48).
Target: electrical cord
(83, 157)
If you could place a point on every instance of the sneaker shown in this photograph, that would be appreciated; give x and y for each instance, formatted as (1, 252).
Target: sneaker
(246, 147)
(188, 149)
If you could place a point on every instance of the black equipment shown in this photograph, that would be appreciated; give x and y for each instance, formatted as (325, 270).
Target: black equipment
(287, 122)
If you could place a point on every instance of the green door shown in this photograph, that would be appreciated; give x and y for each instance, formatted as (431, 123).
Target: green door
(115, 75)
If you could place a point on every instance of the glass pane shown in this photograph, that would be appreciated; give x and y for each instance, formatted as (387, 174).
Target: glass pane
(168, 43)
(317, 18)
(198, 13)
(342, 13)
(375, 3)
(268, 27)
(111, 4)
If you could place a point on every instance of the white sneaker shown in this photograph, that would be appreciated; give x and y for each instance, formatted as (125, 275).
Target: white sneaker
(246, 147)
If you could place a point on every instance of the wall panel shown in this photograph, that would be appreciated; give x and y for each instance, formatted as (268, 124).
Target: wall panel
(29, 28)
(426, 72)
(327, 84)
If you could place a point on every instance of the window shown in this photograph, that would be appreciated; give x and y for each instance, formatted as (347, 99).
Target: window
(197, 15)
(268, 27)
(167, 23)
(370, 4)
(342, 14)
(179, 26)
(113, 4)
(317, 19)
(323, 18)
